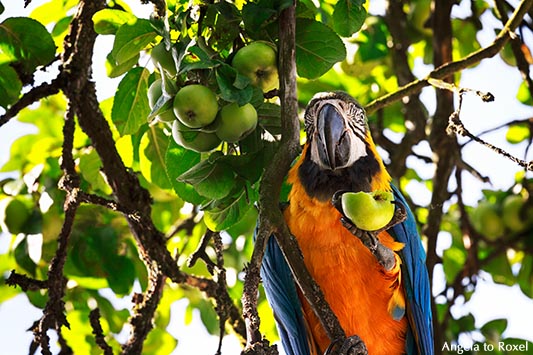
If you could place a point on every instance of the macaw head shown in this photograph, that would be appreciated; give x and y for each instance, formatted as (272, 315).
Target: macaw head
(340, 153)
(336, 129)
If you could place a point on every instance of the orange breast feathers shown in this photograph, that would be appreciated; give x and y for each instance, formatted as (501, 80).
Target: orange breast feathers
(360, 292)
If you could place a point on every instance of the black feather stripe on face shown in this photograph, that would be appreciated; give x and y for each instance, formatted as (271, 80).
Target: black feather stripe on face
(322, 184)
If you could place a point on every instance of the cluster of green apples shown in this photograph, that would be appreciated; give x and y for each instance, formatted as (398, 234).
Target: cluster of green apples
(499, 220)
(200, 120)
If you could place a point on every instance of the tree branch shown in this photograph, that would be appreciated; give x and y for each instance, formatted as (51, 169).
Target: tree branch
(269, 214)
(271, 220)
(94, 318)
(450, 68)
(34, 95)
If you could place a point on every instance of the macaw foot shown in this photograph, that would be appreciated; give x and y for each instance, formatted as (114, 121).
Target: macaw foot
(384, 255)
(352, 345)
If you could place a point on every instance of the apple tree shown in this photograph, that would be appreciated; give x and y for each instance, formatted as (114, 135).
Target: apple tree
(153, 191)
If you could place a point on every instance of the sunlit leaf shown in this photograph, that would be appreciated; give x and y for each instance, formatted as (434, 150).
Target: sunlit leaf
(18, 44)
(517, 133)
(131, 38)
(108, 21)
(524, 95)
(52, 11)
(130, 106)
(90, 167)
(152, 152)
(114, 70)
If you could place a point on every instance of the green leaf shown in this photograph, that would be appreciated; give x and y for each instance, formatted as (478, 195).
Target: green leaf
(159, 342)
(131, 38)
(177, 161)
(233, 86)
(499, 325)
(120, 274)
(152, 151)
(114, 70)
(18, 44)
(22, 256)
(90, 168)
(108, 21)
(348, 16)
(525, 276)
(517, 133)
(524, 95)
(453, 261)
(373, 41)
(222, 214)
(210, 179)
(256, 16)
(270, 117)
(10, 85)
(130, 106)
(500, 270)
(318, 48)
(2, 8)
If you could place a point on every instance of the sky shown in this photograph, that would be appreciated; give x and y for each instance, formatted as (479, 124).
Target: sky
(476, 115)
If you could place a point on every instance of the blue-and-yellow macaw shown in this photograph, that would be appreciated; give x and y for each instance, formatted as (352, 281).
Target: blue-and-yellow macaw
(389, 309)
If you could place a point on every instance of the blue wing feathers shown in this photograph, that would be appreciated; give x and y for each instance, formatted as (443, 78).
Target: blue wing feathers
(282, 296)
(416, 283)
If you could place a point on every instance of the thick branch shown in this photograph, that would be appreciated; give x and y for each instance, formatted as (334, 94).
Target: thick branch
(269, 191)
(447, 69)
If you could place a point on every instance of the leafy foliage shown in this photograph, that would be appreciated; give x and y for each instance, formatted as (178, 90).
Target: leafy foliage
(340, 45)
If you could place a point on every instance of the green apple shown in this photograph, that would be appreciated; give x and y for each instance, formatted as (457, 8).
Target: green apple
(514, 218)
(236, 122)
(154, 93)
(258, 62)
(14, 213)
(195, 106)
(194, 139)
(369, 211)
(487, 220)
(162, 57)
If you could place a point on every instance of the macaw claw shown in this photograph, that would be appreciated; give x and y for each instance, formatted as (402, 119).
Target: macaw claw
(352, 345)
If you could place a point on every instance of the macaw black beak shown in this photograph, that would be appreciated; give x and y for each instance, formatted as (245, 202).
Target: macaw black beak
(334, 146)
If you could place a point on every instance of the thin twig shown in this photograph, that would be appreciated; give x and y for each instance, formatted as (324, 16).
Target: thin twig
(456, 126)
(34, 95)
(94, 318)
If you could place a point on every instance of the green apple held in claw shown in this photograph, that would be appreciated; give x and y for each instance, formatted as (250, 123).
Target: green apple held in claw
(194, 139)
(13, 214)
(487, 221)
(160, 56)
(513, 217)
(369, 211)
(154, 93)
(257, 61)
(195, 106)
(236, 122)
